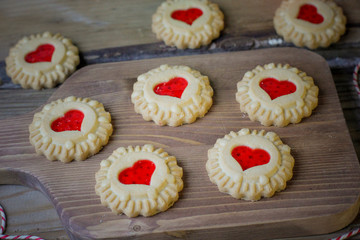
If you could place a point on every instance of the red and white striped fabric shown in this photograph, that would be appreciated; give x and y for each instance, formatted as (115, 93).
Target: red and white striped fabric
(356, 79)
(3, 220)
(3, 225)
(347, 235)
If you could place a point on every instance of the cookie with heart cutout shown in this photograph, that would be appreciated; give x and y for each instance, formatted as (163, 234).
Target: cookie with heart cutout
(172, 95)
(187, 23)
(250, 164)
(70, 128)
(140, 180)
(276, 94)
(42, 60)
(310, 23)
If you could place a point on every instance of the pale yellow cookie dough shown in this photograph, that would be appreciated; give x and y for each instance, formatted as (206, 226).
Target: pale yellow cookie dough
(195, 100)
(158, 192)
(187, 33)
(284, 109)
(68, 145)
(226, 166)
(42, 73)
(302, 31)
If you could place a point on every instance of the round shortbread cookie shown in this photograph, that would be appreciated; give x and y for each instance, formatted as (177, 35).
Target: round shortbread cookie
(310, 23)
(187, 23)
(277, 94)
(42, 61)
(250, 164)
(172, 95)
(139, 180)
(70, 128)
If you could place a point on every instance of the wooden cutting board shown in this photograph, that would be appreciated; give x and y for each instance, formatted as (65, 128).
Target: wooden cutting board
(322, 197)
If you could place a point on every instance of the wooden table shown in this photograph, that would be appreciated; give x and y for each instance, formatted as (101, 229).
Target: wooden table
(115, 31)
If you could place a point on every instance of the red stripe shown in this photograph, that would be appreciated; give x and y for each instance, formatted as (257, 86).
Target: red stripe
(347, 235)
(356, 78)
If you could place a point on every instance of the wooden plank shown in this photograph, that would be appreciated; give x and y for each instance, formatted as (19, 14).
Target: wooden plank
(26, 213)
(19, 101)
(322, 197)
(94, 26)
(101, 35)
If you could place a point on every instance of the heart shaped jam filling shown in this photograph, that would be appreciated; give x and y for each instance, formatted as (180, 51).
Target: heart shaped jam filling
(308, 12)
(140, 173)
(173, 88)
(248, 157)
(187, 16)
(275, 88)
(71, 121)
(43, 53)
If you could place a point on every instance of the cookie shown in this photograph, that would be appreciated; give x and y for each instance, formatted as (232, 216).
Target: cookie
(172, 95)
(70, 128)
(310, 23)
(250, 164)
(277, 94)
(187, 23)
(41, 61)
(139, 180)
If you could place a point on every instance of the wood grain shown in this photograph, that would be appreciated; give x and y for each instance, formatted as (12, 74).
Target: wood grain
(113, 32)
(322, 197)
(115, 41)
(94, 25)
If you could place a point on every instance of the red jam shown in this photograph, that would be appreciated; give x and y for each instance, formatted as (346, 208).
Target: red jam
(71, 121)
(173, 88)
(248, 157)
(275, 88)
(187, 16)
(308, 12)
(43, 53)
(140, 173)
